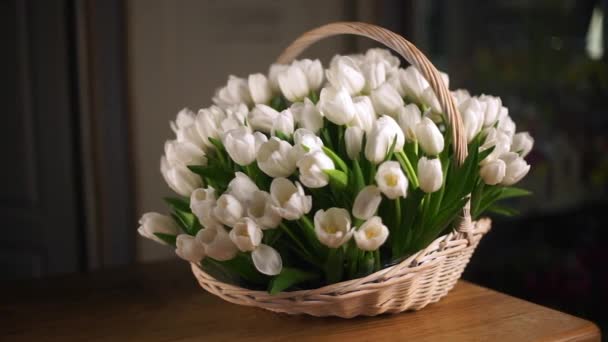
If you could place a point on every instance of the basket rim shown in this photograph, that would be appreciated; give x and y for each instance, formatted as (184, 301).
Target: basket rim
(451, 242)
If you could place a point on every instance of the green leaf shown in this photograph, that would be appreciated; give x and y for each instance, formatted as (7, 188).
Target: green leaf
(288, 278)
(313, 96)
(504, 211)
(391, 150)
(511, 192)
(243, 266)
(358, 176)
(337, 178)
(177, 203)
(168, 238)
(187, 221)
(278, 103)
(282, 135)
(336, 159)
(334, 267)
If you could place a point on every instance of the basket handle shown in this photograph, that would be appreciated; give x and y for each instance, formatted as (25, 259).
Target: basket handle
(408, 51)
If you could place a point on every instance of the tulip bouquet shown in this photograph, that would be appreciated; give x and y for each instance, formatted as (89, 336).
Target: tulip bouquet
(309, 176)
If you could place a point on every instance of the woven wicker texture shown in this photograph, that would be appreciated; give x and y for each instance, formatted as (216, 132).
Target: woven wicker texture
(424, 277)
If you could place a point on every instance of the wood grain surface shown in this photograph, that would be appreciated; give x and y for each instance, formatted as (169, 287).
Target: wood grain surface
(162, 302)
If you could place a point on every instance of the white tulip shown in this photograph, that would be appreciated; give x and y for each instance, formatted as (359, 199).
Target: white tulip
(262, 118)
(202, 202)
(391, 180)
(493, 172)
(235, 92)
(429, 137)
(293, 83)
(259, 88)
(343, 72)
(283, 123)
(242, 188)
(408, 117)
(381, 137)
(430, 99)
(492, 106)
(365, 116)
(430, 174)
(151, 223)
(311, 168)
(288, 199)
(336, 105)
(179, 178)
(353, 138)
(332, 227)
(516, 169)
(305, 141)
(235, 118)
(413, 83)
(217, 243)
(497, 139)
(267, 260)
(375, 75)
(240, 144)
(313, 71)
(386, 100)
(371, 235)
(394, 78)
(379, 55)
(209, 124)
(505, 123)
(260, 210)
(184, 153)
(228, 210)
(367, 202)
(185, 129)
(273, 76)
(472, 112)
(307, 115)
(246, 235)
(522, 143)
(188, 248)
(460, 95)
(276, 159)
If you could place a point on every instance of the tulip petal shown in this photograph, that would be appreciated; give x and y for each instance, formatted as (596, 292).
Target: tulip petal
(267, 260)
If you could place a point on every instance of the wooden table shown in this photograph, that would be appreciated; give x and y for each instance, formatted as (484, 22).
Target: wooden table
(162, 302)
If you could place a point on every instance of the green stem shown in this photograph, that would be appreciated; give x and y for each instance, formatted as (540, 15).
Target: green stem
(409, 169)
(295, 239)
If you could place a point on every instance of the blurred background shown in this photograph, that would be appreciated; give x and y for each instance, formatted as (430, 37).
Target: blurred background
(91, 86)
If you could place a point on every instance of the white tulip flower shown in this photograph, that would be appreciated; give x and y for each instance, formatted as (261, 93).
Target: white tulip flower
(394, 78)
(184, 153)
(336, 105)
(492, 106)
(333, 227)
(276, 158)
(185, 129)
(371, 235)
(429, 137)
(493, 172)
(505, 123)
(379, 55)
(293, 83)
(413, 83)
(313, 71)
(460, 95)
(386, 100)
(240, 144)
(209, 124)
(235, 92)
(344, 73)
(246, 235)
(367, 202)
(202, 202)
(262, 118)
(408, 117)
(497, 139)
(267, 260)
(259, 88)
(235, 118)
(381, 137)
(151, 223)
(430, 99)
(311, 168)
(430, 174)
(179, 178)
(391, 180)
(260, 210)
(273, 76)
(472, 112)
(353, 139)
(516, 169)
(228, 210)
(522, 143)
(305, 141)
(375, 75)
(288, 199)
(307, 115)
(188, 248)
(365, 115)
(217, 243)
(283, 123)
(242, 188)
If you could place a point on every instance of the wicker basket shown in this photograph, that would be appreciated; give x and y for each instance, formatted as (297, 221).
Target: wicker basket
(424, 277)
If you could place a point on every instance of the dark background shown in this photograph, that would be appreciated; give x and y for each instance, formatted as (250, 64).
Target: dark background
(68, 200)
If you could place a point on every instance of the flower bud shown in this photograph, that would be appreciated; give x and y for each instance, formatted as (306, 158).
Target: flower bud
(408, 117)
(413, 83)
(492, 106)
(240, 145)
(185, 129)
(367, 202)
(235, 92)
(283, 123)
(179, 178)
(246, 235)
(273, 76)
(391, 180)
(517, 168)
(242, 188)
(188, 248)
(429, 137)
(365, 116)
(430, 174)
(371, 235)
(202, 202)
(493, 172)
(375, 75)
(344, 73)
(228, 209)
(262, 118)
(472, 112)
(151, 223)
(337, 105)
(259, 88)
(307, 115)
(217, 243)
(522, 143)
(386, 100)
(293, 83)
(313, 71)
(381, 137)
(288, 199)
(276, 159)
(460, 95)
(333, 227)
(353, 138)
(311, 168)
